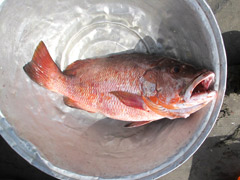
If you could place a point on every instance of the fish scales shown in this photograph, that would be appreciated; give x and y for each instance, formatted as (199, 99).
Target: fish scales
(139, 88)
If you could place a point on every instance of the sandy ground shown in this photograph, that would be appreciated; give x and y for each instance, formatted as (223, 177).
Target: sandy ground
(219, 156)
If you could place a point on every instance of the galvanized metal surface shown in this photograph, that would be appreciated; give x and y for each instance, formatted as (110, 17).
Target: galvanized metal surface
(68, 143)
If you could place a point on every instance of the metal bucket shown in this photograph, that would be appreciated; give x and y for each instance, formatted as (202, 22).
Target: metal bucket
(73, 144)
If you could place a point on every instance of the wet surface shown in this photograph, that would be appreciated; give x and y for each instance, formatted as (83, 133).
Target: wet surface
(224, 156)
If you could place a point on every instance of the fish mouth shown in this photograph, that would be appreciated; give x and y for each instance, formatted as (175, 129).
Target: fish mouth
(200, 86)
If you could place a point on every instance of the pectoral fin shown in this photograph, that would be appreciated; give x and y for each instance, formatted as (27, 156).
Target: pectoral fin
(130, 99)
(136, 124)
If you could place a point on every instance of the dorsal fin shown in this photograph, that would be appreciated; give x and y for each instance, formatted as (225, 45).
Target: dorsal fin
(72, 69)
(77, 67)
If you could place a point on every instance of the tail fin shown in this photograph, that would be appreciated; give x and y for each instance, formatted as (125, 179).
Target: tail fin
(44, 71)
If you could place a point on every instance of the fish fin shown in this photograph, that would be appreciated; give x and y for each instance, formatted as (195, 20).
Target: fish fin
(161, 110)
(136, 124)
(76, 67)
(70, 102)
(129, 99)
(73, 104)
(71, 69)
(42, 70)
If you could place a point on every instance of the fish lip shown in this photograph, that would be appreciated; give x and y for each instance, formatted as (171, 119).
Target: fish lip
(206, 78)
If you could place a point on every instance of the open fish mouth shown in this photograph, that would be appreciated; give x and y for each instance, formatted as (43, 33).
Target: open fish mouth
(201, 87)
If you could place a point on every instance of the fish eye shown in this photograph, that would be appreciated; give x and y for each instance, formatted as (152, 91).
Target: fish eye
(175, 69)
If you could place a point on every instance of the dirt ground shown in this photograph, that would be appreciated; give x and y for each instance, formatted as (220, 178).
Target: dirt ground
(219, 156)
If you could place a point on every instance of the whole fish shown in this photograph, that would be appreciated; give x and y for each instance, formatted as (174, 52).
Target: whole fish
(136, 87)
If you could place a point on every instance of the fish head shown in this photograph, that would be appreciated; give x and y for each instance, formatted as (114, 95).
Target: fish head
(177, 87)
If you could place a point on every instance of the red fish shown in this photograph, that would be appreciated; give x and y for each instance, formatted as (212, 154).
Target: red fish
(136, 87)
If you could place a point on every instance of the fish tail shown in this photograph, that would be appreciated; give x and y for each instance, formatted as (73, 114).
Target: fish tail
(44, 71)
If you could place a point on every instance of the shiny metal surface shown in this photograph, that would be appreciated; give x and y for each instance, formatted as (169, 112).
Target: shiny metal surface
(73, 144)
